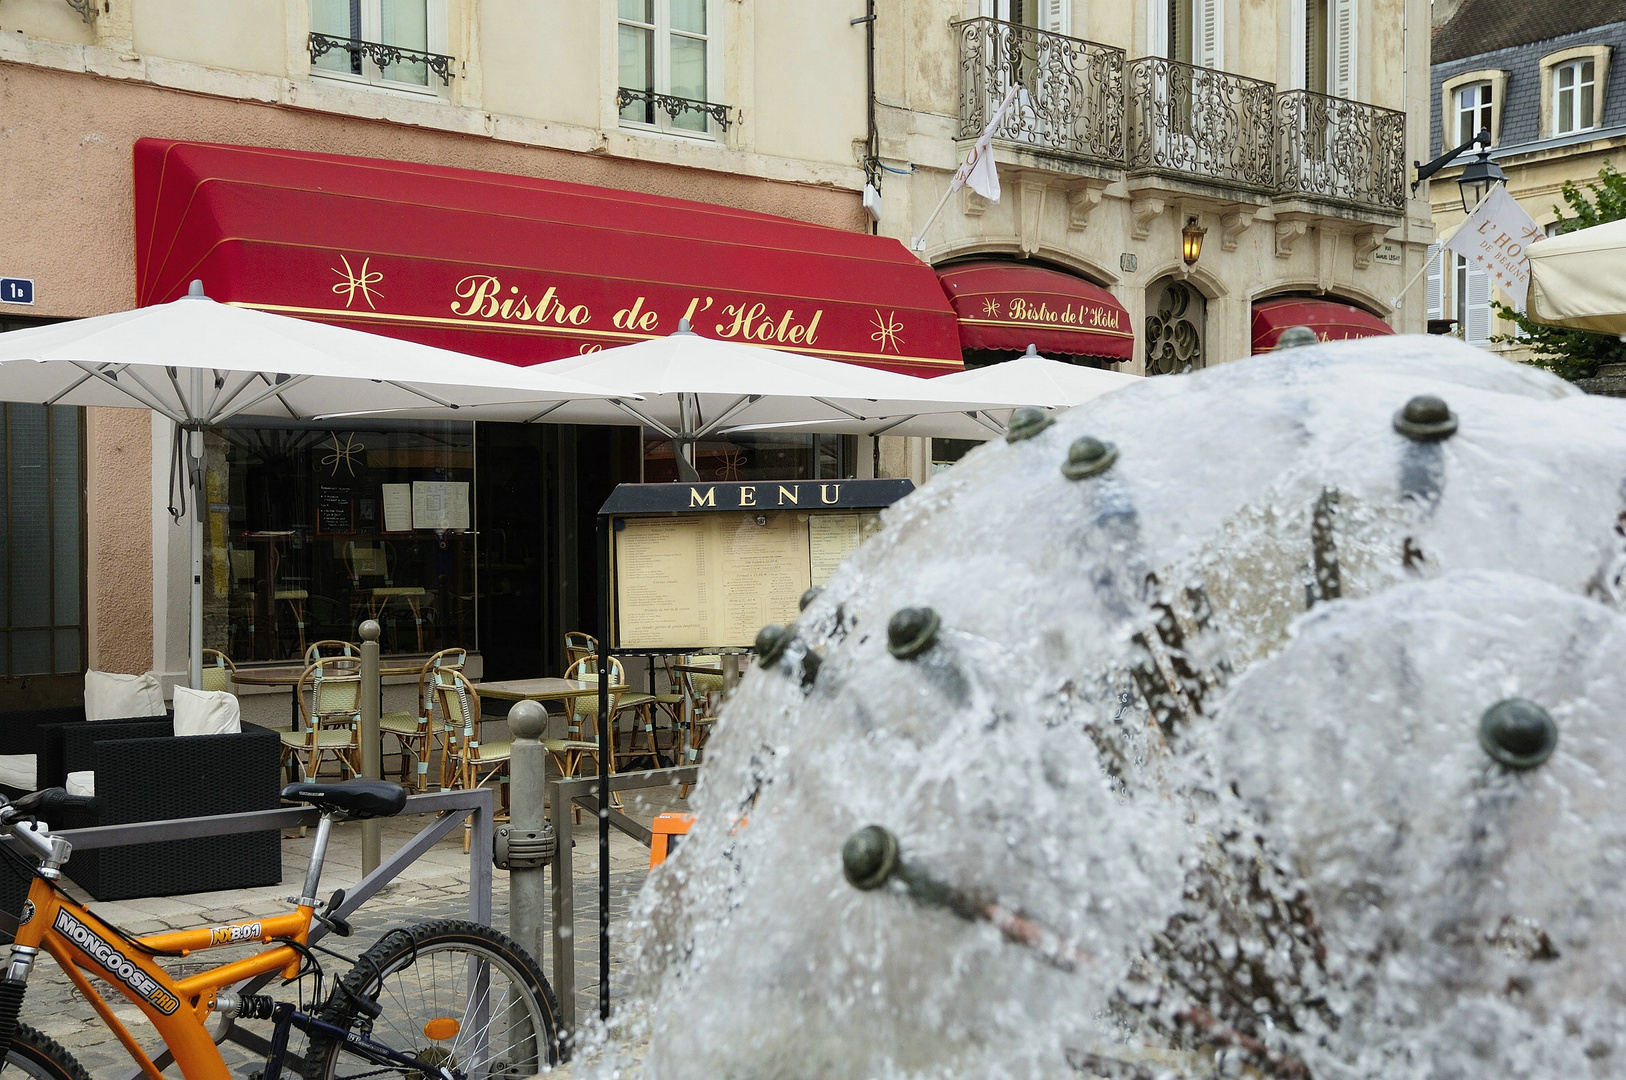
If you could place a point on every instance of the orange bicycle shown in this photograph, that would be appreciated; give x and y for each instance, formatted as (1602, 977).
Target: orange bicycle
(447, 999)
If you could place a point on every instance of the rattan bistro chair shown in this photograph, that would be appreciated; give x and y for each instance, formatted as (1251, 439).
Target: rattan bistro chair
(329, 696)
(419, 732)
(218, 671)
(580, 743)
(472, 761)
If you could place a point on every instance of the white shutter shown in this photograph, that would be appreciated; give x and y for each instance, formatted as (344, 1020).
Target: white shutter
(1477, 310)
(1435, 289)
(1056, 16)
(1157, 27)
(1341, 74)
(1208, 33)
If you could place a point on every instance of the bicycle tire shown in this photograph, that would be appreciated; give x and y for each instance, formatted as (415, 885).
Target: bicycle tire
(419, 978)
(36, 1054)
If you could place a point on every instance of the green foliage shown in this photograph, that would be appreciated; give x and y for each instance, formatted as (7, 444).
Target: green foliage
(1574, 354)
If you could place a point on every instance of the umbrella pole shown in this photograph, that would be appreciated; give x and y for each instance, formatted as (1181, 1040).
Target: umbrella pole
(195, 474)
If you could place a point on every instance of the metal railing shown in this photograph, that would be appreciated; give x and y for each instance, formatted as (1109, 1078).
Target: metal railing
(1346, 151)
(562, 795)
(1197, 121)
(670, 104)
(1069, 92)
(381, 54)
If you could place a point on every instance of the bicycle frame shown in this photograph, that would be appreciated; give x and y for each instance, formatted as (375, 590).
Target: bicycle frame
(179, 1009)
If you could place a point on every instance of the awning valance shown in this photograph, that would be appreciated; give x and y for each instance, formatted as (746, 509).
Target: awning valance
(1008, 306)
(1330, 321)
(520, 269)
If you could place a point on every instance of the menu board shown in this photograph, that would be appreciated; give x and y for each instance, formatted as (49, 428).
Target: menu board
(711, 580)
(832, 537)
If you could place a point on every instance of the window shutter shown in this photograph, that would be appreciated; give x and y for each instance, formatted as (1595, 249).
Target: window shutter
(1436, 286)
(1056, 16)
(1477, 310)
(1342, 75)
(1157, 28)
(1209, 17)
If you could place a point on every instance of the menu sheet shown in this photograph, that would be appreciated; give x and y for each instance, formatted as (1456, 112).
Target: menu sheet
(707, 580)
(833, 537)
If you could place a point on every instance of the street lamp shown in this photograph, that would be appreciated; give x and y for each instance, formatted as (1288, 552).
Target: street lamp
(1478, 177)
(1191, 241)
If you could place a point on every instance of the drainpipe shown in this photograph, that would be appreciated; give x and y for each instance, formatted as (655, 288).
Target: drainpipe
(872, 145)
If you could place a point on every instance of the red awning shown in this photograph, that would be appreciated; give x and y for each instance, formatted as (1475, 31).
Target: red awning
(1330, 321)
(1009, 306)
(519, 269)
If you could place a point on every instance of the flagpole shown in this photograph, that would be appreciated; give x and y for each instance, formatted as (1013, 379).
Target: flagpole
(1434, 251)
(918, 243)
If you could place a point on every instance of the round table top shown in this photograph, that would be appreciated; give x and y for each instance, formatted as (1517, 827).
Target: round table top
(289, 676)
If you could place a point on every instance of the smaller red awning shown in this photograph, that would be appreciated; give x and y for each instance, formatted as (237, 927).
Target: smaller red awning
(1009, 306)
(1330, 321)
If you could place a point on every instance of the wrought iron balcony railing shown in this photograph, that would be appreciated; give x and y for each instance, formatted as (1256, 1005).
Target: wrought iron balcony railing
(671, 105)
(1201, 122)
(1342, 150)
(380, 54)
(1069, 92)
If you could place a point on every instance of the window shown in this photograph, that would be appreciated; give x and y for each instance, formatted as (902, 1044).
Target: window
(1572, 97)
(1472, 288)
(666, 66)
(1473, 111)
(391, 42)
(1188, 31)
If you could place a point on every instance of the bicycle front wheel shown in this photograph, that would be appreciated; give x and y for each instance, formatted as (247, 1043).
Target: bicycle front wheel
(454, 995)
(42, 1057)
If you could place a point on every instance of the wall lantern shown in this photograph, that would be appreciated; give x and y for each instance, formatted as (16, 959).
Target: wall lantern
(1191, 241)
(1478, 177)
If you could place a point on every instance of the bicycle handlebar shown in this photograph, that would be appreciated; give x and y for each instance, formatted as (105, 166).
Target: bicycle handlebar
(45, 802)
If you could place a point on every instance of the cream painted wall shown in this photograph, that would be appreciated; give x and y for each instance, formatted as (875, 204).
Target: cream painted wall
(243, 35)
(542, 60)
(51, 20)
(809, 68)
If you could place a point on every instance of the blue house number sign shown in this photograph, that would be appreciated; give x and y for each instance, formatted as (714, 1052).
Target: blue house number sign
(16, 290)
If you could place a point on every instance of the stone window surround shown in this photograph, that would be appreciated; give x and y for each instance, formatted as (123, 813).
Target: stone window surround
(1448, 103)
(1599, 55)
(715, 61)
(437, 17)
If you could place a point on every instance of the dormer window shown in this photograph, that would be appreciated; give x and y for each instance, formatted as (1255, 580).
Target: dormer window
(1573, 90)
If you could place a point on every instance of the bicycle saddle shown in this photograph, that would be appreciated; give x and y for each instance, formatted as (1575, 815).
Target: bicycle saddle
(358, 799)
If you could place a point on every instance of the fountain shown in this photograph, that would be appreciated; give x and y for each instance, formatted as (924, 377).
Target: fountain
(1259, 722)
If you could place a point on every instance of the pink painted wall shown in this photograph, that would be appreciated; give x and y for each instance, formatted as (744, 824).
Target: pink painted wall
(66, 220)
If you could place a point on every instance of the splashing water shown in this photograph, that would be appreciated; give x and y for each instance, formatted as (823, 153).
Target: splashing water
(1190, 828)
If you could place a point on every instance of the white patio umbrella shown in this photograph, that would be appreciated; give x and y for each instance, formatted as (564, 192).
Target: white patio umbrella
(1578, 279)
(200, 363)
(687, 387)
(978, 403)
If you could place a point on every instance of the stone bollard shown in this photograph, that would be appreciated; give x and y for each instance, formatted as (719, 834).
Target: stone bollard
(372, 751)
(526, 844)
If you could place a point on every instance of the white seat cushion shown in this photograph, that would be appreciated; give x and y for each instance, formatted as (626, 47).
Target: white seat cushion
(18, 771)
(115, 697)
(206, 712)
(82, 782)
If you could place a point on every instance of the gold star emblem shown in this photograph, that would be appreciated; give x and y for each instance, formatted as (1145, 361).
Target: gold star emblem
(363, 280)
(888, 330)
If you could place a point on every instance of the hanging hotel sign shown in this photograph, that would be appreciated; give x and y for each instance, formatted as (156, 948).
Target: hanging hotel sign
(520, 270)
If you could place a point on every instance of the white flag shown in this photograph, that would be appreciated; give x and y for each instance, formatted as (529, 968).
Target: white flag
(978, 170)
(1495, 236)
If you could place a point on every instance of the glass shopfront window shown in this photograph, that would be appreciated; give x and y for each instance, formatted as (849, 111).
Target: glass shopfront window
(310, 531)
(755, 456)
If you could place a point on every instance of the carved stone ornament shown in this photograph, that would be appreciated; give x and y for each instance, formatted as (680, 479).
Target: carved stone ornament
(1289, 233)
(1233, 223)
(1144, 211)
(1366, 242)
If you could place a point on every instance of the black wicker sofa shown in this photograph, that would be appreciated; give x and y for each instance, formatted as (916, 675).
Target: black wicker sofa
(144, 772)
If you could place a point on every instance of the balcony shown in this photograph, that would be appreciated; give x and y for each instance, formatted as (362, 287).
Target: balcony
(1201, 123)
(1069, 92)
(382, 55)
(1339, 150)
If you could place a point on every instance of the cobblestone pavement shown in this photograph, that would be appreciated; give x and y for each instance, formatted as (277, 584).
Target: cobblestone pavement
(435, 887)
